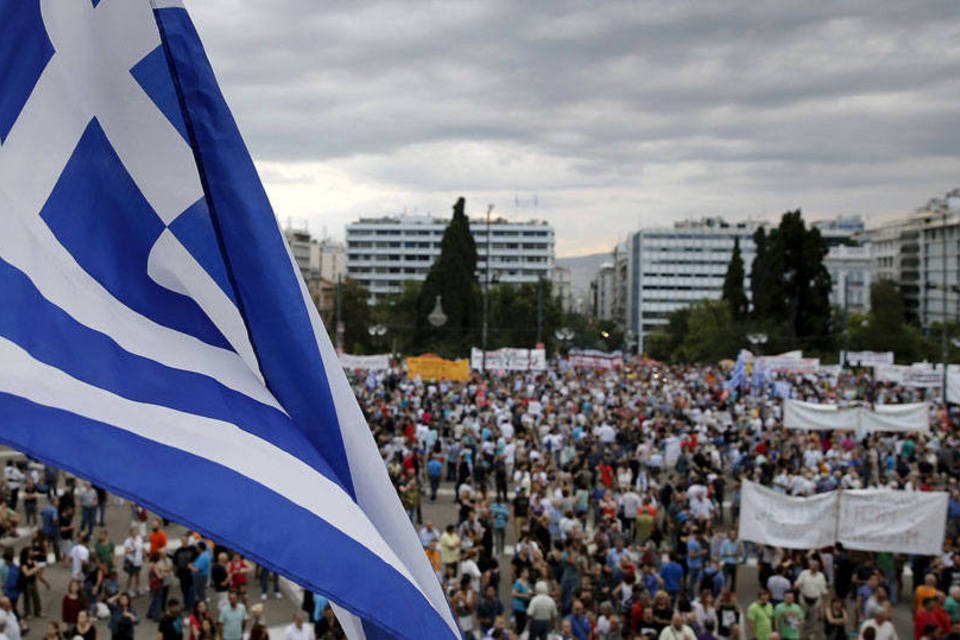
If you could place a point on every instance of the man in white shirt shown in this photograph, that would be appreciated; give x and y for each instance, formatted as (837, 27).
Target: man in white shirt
(298, 630)
(9, 619)
(79, 555)
(542, 611)
(812, 584)
(881, 625)
(676, 630)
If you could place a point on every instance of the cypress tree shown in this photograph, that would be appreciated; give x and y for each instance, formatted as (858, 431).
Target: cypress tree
(453, 277)
(733, 292)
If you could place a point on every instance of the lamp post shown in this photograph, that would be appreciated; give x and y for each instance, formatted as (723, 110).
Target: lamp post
(564, 335)
(757, 339)
(437, 317)
(486, 295)
(377, 331)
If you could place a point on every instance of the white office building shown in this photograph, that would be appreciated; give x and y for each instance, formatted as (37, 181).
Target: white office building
(851, 272)
(383, 253)
(673, 267)
(316, 258)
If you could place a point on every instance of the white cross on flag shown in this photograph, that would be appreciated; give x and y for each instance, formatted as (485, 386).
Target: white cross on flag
(155, 336)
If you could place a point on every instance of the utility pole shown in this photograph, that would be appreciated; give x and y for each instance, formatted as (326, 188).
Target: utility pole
(943, 315)
(846, 318)
(486, 296)
(340, 327)
(540, 310)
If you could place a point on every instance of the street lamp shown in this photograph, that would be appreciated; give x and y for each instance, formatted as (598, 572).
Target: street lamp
(564, 335)
(486, 295)
(437, 317)
(757, 339)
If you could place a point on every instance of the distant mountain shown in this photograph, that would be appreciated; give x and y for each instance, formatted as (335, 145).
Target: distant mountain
(583, 269)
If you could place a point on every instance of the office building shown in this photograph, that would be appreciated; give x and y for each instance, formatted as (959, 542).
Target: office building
(670, 268)
(382, 253)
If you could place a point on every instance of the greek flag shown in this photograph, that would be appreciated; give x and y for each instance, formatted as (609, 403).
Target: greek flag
(155, 336)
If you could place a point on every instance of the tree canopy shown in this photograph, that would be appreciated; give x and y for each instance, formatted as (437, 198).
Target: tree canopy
(733, 293)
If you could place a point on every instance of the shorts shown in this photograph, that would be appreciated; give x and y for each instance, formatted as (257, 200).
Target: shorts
(131, 569)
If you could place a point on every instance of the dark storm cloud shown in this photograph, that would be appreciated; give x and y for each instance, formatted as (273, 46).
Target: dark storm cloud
(598, 94)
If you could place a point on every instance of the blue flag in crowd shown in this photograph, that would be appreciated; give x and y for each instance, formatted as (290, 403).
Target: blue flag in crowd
(155, 336)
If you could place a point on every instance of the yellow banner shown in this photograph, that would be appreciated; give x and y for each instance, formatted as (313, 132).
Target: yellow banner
(431, 367)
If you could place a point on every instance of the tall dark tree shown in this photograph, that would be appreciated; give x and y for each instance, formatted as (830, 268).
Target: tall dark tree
(733, 292)
(766, 287)
(453, 277)
(791, 285)
(806, 281)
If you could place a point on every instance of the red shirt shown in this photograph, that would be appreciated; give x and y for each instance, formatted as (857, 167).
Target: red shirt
(606, 475)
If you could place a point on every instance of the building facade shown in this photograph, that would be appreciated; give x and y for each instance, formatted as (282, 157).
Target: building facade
(603, 291)
(851, 272)
(921, 254)
(562, 287)
(383, 253)
(321, 264)
(669, 268)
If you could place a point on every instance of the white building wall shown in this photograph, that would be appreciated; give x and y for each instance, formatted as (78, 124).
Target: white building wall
(674, 267)
(383, 253)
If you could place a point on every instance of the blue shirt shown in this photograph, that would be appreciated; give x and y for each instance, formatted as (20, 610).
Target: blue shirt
(500, 515)
(49, 516)
(518, 603)
(434, 468)
(202, 563)
(672, 574)
(694, 559)
(580, 626)
(728, 551)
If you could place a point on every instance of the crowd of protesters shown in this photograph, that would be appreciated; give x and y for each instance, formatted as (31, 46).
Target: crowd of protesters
(589, 505)
(603, 504)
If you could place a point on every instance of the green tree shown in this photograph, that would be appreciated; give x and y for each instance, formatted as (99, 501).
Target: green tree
(664, 343)
(711, 334)
(884, 328)
(398, 313)
(513, 314)
(791, 286)
(765, 283)
(453, 278)
(356, 317)
(733, 292)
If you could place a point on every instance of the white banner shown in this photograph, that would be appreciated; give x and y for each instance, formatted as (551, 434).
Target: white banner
(377, 362)
(509, 359)
(912, 522)
(594, 359)
(917, 375)
(869, 358)
(894, 521)
(768, 517)
(899, 418)
(810, 416)
(782, 364)
(953, 383)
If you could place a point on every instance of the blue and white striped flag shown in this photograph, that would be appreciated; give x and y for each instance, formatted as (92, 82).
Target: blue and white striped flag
(155, 336)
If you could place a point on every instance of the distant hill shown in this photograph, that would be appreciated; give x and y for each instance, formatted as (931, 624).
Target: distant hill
(583, 269)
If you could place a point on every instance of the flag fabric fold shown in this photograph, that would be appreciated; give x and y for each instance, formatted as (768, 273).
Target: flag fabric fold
(155, 335)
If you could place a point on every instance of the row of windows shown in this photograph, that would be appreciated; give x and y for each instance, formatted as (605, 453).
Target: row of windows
(426, 257)
(438, 231)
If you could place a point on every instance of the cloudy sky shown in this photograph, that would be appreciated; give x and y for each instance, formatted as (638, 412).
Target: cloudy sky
(608, 115)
